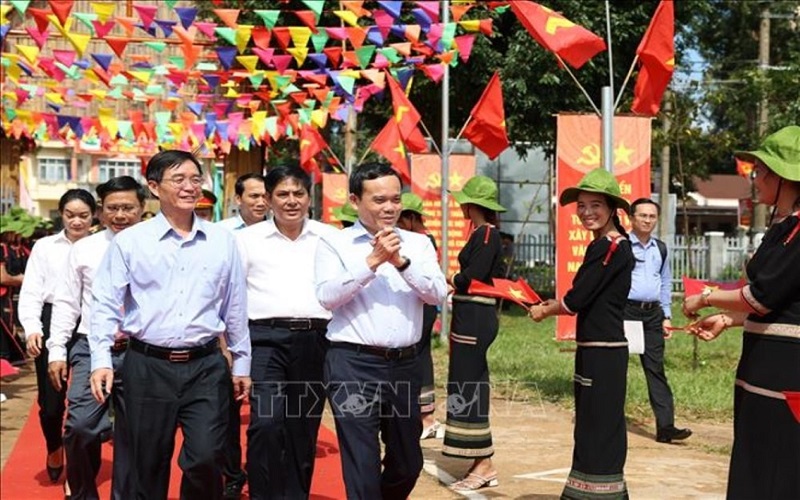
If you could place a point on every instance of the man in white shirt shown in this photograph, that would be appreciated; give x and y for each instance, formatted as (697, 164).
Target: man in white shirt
(375, 278)
(122, 200)
(287, 333)
(251, 197)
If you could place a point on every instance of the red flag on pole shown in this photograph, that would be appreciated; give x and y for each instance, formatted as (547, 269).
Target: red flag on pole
(516, 291)
(389, 144)
(744, 168)
(656, 52)
(693, 286)
(487, 126)
(311, 144)
(572, 43)
(405, 114)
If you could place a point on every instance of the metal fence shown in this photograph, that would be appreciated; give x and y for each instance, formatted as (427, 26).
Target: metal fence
(535, 257)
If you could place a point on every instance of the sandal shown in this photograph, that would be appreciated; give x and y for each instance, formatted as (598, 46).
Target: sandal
(472, 482)
(433, 431)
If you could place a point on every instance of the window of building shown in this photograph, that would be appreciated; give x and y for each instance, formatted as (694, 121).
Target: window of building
(53, 169)
(115, 168)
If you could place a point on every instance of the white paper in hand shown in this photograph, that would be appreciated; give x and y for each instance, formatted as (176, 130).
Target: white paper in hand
(634, 332)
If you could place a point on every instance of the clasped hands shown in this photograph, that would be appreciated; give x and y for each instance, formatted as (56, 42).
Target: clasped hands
(540, 311)
(385, 248)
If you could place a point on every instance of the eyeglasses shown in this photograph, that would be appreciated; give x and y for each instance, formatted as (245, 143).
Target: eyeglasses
(180, 180)
(125, 209)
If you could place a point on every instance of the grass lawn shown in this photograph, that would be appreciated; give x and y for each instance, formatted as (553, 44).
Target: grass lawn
(526, 355)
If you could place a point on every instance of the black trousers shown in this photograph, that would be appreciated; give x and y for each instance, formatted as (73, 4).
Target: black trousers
(87, 421)
(286, 407)
(653, 363)
(52, 403)
(159, 397)
(372, 396)
(232, 470)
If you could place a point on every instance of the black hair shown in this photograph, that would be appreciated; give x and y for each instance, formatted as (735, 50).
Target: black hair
(645, 201)
(239, 186)
(368, 172)
(165, 160)
(121, 183)
(77, 194)
(489, 215)
(411, 214)
(278, 174)
(614, 205)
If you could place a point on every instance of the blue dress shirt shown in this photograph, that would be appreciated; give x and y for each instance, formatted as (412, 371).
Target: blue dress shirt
(649, 281)
(170, 291)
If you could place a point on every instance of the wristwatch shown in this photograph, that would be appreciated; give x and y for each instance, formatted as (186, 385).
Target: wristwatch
(404, 265)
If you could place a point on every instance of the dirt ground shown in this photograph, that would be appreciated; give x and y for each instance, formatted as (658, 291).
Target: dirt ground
(533, 447)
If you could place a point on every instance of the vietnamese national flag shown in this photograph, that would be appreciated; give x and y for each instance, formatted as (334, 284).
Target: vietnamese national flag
(389, 144)
(487, 126)
(693, 286)
(405, 114)
(311, 144)
(572, 43)
(656, 52)
(516, 291)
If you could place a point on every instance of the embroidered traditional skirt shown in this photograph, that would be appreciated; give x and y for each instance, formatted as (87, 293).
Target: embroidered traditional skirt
(601, 442)
(473, 329)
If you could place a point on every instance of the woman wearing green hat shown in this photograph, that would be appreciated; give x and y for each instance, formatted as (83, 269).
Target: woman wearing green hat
(472, 330)
(598, 296)
(411, 220)
(765, 459)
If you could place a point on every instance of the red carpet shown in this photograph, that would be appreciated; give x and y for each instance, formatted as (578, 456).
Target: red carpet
(24, 476)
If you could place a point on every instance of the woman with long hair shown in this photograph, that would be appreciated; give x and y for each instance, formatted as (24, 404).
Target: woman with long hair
(473, 328)
(765, 459)
(47, 263)
(598, 296)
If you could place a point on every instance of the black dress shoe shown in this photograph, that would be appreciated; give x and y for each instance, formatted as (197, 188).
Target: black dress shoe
(671, 434)
(233, 487)
(54, 473)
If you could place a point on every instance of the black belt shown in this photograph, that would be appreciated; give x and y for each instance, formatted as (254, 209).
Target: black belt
(293, 324)
(174, 355)
(120, 345)
(388, 353)
(644, 305)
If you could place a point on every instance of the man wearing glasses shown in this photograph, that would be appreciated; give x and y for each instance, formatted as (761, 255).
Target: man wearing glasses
(649, 301)
(173, 285)
(122, 199)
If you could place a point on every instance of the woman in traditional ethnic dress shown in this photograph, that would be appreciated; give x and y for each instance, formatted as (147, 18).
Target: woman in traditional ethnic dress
(473, 329)
(598, 296)
(765, 459)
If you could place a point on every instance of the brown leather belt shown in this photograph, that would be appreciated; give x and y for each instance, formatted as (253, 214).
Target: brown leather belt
(178, 355)
(120, 345)
(293, 324)
(387, 353)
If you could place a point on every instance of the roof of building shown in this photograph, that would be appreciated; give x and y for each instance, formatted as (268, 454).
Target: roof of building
(726, 187)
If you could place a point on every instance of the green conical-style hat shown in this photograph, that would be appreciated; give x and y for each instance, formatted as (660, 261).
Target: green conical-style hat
(600, 181)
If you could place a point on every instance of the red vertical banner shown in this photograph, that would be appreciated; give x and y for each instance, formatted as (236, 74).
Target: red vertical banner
(578, 150)
(426, 182)
(334, 194)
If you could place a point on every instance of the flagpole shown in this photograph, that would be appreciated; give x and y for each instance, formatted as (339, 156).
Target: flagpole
(625, 82)
(364, 156)
(338, 161)
(438, 151)
(561, 61)
(461, 132)
(445, 153)
(610, 52)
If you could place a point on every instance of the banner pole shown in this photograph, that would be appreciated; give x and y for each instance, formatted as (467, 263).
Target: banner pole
(445, 152)
(608, 128)
(564, 65)
(625, 82)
